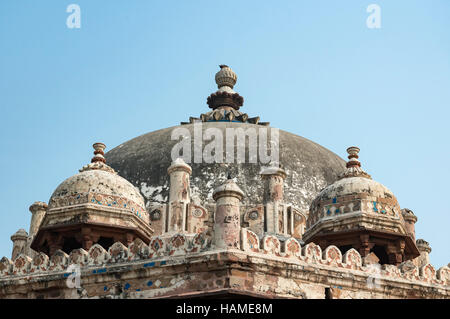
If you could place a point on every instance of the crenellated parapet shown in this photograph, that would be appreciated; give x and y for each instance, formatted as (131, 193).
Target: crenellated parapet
(97, 256)
(143, 265)
(312, 254)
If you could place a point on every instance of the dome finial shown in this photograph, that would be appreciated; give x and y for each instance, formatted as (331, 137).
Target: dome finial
(353, 165)
(226, 79)
(98, 161)
(225, 97)
(353, 156)
(99, 153)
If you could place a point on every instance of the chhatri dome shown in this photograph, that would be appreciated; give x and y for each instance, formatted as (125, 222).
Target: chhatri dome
(94, 206)
(358, 212)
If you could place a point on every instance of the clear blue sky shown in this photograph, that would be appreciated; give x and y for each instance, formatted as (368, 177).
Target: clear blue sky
(309, 67)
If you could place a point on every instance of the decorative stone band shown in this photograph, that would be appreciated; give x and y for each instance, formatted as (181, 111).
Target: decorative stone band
(97, 259)
(222, 98)
(332, 257)
(176, 245)
(98, 199)
(97, 165)
(226, 115)
(379, 207)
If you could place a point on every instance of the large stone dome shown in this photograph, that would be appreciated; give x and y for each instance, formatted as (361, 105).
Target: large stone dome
(144, 161)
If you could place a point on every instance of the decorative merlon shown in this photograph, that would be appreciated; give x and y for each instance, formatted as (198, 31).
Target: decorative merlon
(97, 260)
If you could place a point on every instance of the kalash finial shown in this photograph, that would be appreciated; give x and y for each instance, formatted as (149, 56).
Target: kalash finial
(225, 103)
(225, 97)
(354, 165)
(226, 79)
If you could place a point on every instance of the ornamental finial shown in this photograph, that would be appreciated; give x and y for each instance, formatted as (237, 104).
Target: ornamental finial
(226, 79)
(98, 161)
(99, 153)
(353, 156)
(353, 165)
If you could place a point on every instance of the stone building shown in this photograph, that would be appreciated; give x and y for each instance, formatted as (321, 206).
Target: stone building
(148, 221)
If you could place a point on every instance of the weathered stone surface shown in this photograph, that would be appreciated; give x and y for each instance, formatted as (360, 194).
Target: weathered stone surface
(309, 167)
(222, 273)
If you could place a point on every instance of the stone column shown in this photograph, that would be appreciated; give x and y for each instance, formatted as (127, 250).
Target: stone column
(276, 215)
(19, 239)
(38, 210)
(179, 195)
(395, 251)
(425, 250)
(86, 238)
(410, 220)
(227, 216)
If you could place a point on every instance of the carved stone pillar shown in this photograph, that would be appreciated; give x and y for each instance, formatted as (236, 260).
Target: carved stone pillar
(55, 242)
(276, 215)
(410, 220)
(38, 210)
(179, 195)
(364, 249)
(86, 238)
(19, 240)
(227, 216)
(425, 250)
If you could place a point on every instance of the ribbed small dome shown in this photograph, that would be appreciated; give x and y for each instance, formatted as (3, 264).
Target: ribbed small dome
(337, 199)
(98, 187)
(353, 192)
(99, 184)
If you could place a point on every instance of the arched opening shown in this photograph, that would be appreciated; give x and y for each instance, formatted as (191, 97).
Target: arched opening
(70, 244)
(345, 248)
(328, 294)
(380, 251)
(105, 242)
(45, 248)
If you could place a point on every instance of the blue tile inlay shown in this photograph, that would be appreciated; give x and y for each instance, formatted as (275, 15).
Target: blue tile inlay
(163, 262)
(149, 283)
(127, 286)
(149, 264)
(334, 200)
